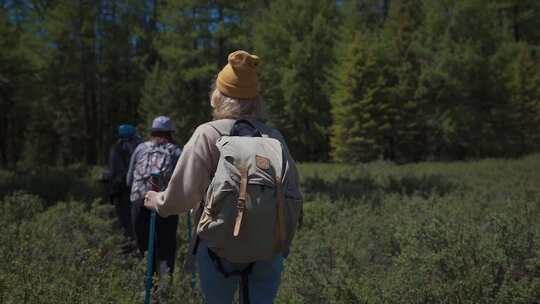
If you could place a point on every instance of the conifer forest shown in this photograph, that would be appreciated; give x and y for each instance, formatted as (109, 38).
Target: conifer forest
(350, 81)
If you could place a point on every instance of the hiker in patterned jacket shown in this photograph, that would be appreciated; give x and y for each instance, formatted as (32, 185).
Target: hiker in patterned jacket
(159, 154)
(242, 183)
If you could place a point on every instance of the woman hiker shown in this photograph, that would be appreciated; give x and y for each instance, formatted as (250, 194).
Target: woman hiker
(159, 154)
(262, 172)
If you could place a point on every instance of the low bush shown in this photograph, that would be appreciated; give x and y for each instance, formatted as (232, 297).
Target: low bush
(76, 182)
(376, 233)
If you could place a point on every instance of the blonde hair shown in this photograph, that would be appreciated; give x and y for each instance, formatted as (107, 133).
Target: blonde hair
(237, 108)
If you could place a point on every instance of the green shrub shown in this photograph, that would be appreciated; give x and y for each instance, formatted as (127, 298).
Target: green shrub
(20, 206)
(55, 184)
(376, 233)
(64, 255)
(71, 254)
(440, 233)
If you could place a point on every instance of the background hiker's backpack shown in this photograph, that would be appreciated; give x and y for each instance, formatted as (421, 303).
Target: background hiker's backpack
(250, 213)
(154, 158)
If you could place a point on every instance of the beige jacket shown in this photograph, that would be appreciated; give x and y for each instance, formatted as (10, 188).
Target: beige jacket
(196, 166)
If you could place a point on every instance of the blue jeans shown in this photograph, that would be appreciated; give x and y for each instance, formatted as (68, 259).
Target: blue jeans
(263, 281)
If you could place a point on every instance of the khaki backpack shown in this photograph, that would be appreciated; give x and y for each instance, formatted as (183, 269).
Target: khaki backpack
(251, 212)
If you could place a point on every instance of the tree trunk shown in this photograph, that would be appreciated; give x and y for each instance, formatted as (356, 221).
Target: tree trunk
(4, 124)
(516, 22)
(386, 7)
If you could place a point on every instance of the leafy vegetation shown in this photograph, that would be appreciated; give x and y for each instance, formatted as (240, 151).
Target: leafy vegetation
(463, 232)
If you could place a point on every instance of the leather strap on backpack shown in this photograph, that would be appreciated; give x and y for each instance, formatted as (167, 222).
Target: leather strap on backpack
(241, 204)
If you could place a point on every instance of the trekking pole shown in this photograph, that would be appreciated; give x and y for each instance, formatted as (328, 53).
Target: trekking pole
(154, 181)
(189, 228)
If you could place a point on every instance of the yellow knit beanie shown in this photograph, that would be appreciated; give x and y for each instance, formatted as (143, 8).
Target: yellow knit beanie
(239, 77)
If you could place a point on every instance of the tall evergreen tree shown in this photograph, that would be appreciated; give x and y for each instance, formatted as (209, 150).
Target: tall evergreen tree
(294, 40)
(389, 122)
(18, 69)
(461, 60)
(521, 18)
(403, 139)
(120, 74)
(196, 38)
(360, 119)
(72, 77)
(92, 75)
(524, 103)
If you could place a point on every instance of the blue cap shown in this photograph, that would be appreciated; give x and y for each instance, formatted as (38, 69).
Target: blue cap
(126, 131)
(162, 124)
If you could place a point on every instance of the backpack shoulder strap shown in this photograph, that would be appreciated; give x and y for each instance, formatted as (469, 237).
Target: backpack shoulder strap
(149, 144)
(244, 127)
(222, 126)
(238, 127)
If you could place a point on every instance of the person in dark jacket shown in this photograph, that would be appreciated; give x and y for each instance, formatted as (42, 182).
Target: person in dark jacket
(119, 157)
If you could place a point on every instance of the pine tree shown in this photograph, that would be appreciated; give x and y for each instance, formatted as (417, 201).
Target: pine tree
(198, 37)
(521, 18)
(178, 84)
(403, 138)
(120, 74)
(524, 104)
(295, 42)
(72, 77)
(164, 94)
(360, 120)
(17, 69)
